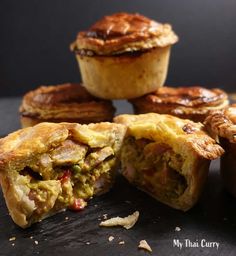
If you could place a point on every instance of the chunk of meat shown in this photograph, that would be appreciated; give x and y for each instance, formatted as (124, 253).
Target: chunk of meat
(68, 153)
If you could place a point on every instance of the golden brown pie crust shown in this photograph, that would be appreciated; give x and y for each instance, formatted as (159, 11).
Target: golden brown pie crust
(64, 103)
(186, 138)
(42, 144)
(222, 125)
(193, 103)
(123, 32)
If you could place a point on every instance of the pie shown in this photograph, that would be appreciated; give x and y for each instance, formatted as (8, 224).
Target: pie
(193, 103)
(167, 157)
(222, 126)
(50, 167)
(64, 103)
(124, 55)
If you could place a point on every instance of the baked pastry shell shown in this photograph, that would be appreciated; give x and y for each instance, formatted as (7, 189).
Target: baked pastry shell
(183, 102)
(63, 103)
(185, 138)
(124, 76)
(20, 148)
(222, 126)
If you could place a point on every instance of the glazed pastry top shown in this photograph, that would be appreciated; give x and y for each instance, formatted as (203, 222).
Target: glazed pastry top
(123, 32)
(152, 126)
(64, 101)
(184, 100)
(187, 96)
(223, 123)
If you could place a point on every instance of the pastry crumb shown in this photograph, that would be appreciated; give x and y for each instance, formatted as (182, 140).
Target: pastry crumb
(13, 244)
(13, 238)
(88, 243)
(144, 245)
(36, 242)
(126, 222)
(111, 238)
(122, 242)
(66, 218)
(104, 216)
(177, 229)
(31, 237)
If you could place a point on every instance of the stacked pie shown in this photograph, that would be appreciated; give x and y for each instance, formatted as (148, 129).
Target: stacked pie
(124, 56)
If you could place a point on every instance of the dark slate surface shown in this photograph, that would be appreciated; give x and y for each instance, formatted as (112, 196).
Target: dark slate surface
(212, 219)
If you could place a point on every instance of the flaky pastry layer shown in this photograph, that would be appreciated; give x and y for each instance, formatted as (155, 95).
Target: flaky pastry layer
(223, 123)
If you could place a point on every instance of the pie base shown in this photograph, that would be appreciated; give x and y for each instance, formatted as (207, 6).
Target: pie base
(124, 76)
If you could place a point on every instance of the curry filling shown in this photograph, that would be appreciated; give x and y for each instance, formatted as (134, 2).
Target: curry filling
(68, 176)
(154, 167)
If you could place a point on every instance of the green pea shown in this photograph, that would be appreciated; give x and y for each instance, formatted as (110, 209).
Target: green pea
(76, 168)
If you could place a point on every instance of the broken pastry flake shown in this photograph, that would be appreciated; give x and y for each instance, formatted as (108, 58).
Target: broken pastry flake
(126, 222)
(144, 245)
(111, 238)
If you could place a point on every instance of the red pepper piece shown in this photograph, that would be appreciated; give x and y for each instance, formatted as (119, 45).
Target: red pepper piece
(66, 176)
(78, 204)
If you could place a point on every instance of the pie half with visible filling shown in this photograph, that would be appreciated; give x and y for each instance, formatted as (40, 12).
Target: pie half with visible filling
(50, 167)
(167, 157)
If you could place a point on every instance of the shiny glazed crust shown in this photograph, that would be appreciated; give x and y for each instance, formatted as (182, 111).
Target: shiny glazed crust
(223, 123)
(222, 126)
(187, 139)
(124, 76)
(63, 103)
(193, 103)
(124, 32)
(26, 146)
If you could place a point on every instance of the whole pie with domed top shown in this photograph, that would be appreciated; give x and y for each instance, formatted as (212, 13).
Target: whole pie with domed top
(193, 102)
(124, 55)
(69, 102)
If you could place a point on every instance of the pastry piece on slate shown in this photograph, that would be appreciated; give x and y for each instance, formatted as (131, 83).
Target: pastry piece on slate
(50, 167)
(167, 157)
(124, 55)
(193, 103)
(64, 103)
(222, 126)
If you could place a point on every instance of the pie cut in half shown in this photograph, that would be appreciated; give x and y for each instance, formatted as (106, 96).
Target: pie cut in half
(167, 157)
(50, 167)
(194, 103)
(222, 126)
(64, 103)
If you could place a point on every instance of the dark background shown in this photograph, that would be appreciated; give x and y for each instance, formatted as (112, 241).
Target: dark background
(35, 37)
